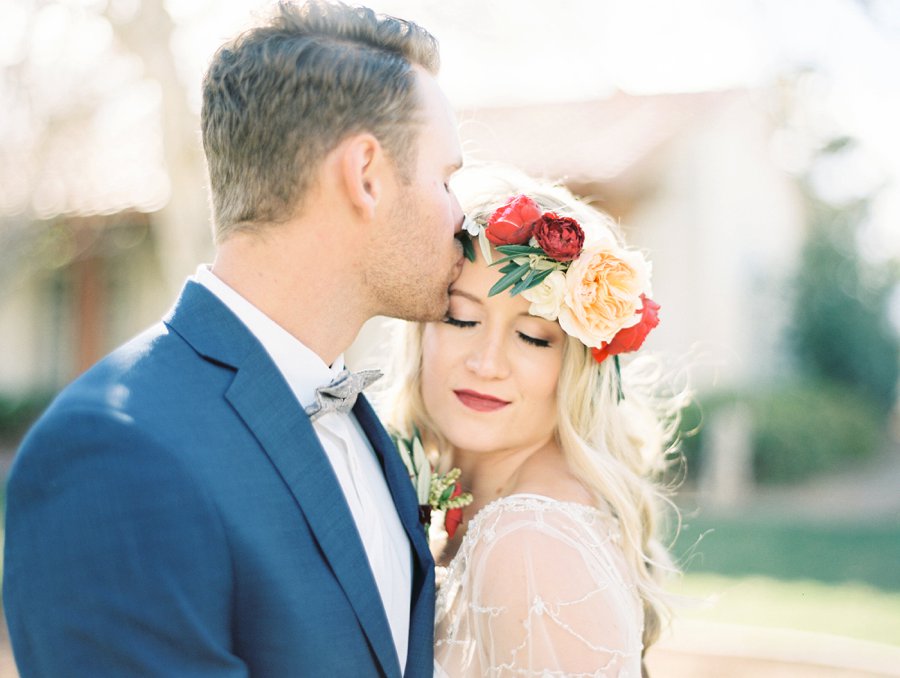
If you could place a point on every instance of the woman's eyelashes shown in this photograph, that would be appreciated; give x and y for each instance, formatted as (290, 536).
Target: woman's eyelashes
(542, 343)
(534, 341)
(450, 320)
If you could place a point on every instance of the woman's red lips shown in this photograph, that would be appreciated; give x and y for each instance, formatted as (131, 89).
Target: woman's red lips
(480, 402)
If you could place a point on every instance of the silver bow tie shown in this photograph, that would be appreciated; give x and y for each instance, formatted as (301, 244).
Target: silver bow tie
(340, 395)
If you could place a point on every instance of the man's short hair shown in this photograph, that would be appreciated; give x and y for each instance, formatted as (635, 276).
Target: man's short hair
(279, 97)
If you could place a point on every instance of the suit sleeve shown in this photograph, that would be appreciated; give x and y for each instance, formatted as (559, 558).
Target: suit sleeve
(116, 560)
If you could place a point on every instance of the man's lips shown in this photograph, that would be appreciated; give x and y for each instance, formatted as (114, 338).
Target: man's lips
(480, 402)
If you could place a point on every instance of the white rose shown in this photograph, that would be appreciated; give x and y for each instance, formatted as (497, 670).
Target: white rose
(471, 226)
(546, 297)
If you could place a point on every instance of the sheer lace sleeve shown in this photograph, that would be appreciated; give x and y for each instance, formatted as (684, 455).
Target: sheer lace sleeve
(539, 589)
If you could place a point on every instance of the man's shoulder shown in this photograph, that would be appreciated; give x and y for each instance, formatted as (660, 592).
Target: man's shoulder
(142, 380)
(140, 396)
(147, 358)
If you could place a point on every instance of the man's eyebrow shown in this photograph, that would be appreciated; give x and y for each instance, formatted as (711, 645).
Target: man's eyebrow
(455, 166)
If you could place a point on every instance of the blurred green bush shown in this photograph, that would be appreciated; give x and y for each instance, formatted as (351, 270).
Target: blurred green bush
(843, 355)
(797, 430)
(840, 330)
(18, 412)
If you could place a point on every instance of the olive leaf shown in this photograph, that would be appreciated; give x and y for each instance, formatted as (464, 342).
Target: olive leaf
(510, 278)
(485, 245)
(518, 250)
(533, 279)
(468, 247)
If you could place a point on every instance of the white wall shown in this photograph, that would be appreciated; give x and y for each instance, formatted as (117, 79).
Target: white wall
(723, 225)
(37, 323)
(35, 335)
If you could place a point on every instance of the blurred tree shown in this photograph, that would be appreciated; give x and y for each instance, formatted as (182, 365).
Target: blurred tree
(97, 120)
(181, 225)
(840, 331)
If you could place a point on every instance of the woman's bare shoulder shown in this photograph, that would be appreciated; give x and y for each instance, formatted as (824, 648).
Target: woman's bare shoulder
(548, 474)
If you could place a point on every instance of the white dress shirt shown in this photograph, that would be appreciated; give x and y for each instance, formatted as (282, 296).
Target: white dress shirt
(350, 453)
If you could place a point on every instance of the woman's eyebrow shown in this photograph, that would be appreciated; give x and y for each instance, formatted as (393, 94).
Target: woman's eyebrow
(467, 295)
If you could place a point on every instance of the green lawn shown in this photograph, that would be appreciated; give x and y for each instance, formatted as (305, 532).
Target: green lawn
(851, 610)
(841, 579)
(861, 553)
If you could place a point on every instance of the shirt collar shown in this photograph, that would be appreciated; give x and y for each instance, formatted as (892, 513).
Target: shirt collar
(301, 367)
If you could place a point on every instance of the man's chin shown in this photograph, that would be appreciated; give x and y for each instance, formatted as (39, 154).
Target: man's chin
(427, 311)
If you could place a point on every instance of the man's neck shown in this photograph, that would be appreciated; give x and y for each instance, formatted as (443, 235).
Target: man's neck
(307, 294)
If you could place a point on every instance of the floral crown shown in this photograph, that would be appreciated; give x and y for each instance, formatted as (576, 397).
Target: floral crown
(597, 290)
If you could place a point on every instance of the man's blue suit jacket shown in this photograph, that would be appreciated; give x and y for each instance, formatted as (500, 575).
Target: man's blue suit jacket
(173, 514)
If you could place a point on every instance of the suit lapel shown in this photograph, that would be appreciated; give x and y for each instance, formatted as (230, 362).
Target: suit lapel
(264, 401)
(397, 478)
(421, 624)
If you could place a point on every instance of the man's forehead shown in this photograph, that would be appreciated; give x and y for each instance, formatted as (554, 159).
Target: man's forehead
(432, 97)
(440, 129)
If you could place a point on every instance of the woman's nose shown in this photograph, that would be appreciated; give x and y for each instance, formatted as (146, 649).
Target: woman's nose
(488, 359)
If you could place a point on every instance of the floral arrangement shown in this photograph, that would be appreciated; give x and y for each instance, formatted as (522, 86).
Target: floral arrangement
(597, 290)
(435, 491)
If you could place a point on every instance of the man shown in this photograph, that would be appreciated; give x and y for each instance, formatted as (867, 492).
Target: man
(186, 508)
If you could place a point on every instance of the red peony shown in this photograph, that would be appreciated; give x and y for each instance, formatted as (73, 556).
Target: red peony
(453, 517)
(560, 237)
(513, 223)
(631, 338)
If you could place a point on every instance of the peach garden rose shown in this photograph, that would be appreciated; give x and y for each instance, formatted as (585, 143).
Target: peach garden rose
(603, 292)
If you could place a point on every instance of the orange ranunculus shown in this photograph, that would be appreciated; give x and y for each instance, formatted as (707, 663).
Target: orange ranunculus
(631, 338)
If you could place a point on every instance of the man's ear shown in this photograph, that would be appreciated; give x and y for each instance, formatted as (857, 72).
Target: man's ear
(362, 169)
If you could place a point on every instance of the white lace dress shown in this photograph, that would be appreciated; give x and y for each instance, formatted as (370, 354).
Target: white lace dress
(539, 587)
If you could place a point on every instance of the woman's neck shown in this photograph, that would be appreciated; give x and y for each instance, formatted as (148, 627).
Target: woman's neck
(491, 475)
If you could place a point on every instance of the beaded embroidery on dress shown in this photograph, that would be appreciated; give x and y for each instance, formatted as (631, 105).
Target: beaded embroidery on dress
(538, 589)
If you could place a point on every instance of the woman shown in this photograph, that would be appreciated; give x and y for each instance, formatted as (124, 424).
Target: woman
(553, 570)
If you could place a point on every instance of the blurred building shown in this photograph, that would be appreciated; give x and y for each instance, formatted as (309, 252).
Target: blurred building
(72, 287)
(691, 177)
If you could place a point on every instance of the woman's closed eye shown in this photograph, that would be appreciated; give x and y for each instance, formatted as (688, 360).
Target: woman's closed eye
(456, 322)
(541, 343)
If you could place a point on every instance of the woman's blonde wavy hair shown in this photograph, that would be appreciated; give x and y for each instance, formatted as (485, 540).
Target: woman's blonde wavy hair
(619, 449)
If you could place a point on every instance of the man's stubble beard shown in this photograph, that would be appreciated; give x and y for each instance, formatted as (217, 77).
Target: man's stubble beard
(409, 280)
